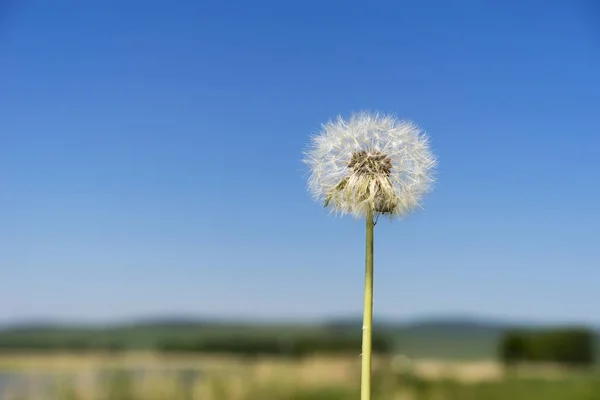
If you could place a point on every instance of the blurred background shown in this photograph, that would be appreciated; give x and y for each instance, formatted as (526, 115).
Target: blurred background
(157, 240)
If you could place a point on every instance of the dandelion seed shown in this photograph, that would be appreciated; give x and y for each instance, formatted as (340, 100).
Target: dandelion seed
(370, 162)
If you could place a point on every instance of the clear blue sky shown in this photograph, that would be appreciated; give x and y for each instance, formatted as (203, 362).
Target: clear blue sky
(150, 158)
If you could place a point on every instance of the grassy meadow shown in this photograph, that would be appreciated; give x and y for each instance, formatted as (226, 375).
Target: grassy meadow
(151, 376)
(428, 361)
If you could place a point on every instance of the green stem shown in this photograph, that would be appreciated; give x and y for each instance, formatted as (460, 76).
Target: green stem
(365, 384)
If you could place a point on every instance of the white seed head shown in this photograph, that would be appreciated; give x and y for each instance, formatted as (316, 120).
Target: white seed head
(371, 162)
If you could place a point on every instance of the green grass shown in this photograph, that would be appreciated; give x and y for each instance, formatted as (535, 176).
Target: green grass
(516, 390)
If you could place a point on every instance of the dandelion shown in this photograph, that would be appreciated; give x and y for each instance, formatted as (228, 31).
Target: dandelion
(367, 166)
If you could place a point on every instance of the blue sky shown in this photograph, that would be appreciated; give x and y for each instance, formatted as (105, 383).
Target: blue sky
(150, 158)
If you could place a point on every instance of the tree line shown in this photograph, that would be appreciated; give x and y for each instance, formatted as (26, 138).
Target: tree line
(572, 346)
(290, 346)
(273, 344)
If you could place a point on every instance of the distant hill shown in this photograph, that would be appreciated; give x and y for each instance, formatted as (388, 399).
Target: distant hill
(450, 338)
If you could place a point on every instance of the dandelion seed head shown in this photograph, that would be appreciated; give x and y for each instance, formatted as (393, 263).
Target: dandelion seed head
(370, 163)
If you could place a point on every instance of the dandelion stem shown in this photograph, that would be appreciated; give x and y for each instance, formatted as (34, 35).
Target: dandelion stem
(365, 384)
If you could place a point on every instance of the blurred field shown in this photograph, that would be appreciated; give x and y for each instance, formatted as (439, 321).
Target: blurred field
(441, 361)
(319, 367)
(153, 376)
